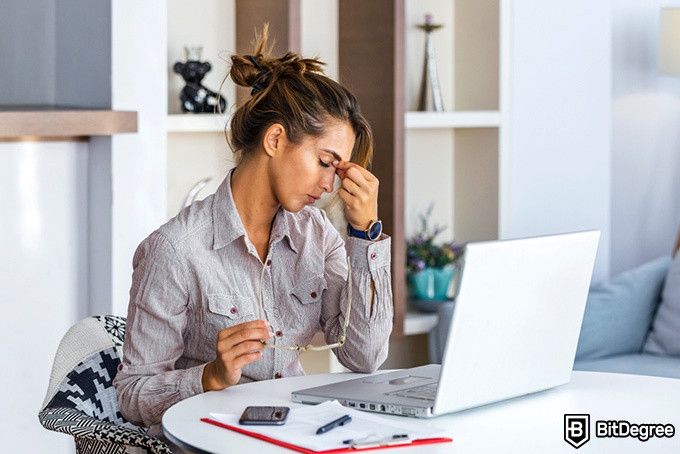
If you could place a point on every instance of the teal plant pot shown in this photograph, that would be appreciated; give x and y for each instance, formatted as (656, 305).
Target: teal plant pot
(442, 281)
(431, 284)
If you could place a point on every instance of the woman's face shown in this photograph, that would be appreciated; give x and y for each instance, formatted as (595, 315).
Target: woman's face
(304, 171)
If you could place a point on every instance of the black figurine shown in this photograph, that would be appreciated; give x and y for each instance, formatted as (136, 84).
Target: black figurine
(194, 96)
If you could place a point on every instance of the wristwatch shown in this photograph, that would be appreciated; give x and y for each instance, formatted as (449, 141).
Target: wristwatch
(372, 233)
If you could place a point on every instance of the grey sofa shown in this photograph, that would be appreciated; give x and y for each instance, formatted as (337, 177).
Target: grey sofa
(617, 320)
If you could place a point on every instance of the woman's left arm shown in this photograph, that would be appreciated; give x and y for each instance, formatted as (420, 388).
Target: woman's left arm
(370, 319)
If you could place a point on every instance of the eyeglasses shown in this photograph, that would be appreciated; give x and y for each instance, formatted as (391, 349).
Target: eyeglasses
(375, 440)
(310, 347)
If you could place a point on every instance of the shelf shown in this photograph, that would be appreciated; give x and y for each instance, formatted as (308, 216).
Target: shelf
(29, 122)
(178, 123)
(187, 123)
(419, 323)
(414, 323)
(454, 119)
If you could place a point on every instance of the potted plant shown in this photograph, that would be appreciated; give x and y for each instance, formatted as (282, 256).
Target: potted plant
(431, 267)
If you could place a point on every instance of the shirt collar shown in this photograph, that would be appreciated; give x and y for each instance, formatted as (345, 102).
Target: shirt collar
(227, 225)
(281, 228)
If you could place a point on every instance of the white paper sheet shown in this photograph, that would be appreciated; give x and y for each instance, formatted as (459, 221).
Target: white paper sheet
(300, 428)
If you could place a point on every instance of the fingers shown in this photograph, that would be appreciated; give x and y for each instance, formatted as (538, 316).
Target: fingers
(244, 360)
(357, 182)
(354, 171)
(346, 198)
(248, 334)
(256, 324)
(355, 175)
(351, 187)
(234, 351)
(238, 346)
(356, 185)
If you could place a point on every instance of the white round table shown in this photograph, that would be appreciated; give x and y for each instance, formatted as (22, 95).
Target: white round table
(533, 423)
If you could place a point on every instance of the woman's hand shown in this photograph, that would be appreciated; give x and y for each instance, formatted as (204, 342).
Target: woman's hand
(359, 192)
(236, 346)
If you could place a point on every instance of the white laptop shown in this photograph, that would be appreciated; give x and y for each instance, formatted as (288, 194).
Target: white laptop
(514, 331)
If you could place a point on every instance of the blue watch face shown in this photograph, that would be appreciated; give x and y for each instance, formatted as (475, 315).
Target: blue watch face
(376, 230)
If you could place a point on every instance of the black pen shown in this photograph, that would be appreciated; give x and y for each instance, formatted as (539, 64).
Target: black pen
(333, 424)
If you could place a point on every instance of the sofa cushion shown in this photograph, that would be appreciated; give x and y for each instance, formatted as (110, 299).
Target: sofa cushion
(619, 311)
(664, 338)
(635, 363)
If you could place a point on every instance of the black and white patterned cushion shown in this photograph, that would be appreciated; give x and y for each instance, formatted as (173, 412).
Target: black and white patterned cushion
(89, 389)
(93, 436)
(85, 404)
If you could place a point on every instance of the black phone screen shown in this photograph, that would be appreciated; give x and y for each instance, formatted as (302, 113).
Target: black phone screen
(264, 415)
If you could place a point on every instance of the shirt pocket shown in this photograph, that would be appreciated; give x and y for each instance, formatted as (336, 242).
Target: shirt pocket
(309, 291)
(232, 306)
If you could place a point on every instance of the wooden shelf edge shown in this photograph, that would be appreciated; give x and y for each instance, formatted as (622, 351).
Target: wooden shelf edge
(64, 123)
(453, 119)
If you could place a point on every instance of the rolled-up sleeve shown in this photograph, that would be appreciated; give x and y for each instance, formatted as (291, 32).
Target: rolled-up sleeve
(147, 382)
(370, 325)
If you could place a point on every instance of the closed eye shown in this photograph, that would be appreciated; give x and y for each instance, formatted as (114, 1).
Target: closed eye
(323, 164)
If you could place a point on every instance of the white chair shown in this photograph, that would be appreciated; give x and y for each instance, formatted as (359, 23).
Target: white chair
(81, 400)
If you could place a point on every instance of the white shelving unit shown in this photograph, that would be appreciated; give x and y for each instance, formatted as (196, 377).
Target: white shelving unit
(196, 145)
(196, 123)
(439, 120)
(454, 157)
(419, 323)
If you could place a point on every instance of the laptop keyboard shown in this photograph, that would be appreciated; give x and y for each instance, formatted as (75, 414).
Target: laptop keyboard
(424, 392)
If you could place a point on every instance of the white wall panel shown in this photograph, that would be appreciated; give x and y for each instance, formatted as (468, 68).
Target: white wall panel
(557, 157)
(43, 278)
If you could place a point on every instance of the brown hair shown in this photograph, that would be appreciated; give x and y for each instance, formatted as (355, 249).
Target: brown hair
(294, 92)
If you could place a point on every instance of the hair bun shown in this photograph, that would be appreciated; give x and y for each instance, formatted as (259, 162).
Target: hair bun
(260, 69)
(246, 71)
(294, 63)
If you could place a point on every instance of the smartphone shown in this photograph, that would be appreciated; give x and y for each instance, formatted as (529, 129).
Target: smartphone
(264, 416)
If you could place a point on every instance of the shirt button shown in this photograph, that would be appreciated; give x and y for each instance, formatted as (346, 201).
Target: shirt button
(374, 256)
(313, 295)
(233, 310)
(269, 263)
(278, 375)
(279, 333)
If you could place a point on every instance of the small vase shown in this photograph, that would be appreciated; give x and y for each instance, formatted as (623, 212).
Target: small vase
(442, 281)
(431, 284)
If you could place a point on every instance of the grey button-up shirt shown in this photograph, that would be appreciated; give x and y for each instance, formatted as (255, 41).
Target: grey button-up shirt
(199, 274)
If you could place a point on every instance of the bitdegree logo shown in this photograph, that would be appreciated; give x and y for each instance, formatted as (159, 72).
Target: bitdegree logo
(625, 429)
(577, 429)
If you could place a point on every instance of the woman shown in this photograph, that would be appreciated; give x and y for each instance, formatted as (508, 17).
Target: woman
(233, 287)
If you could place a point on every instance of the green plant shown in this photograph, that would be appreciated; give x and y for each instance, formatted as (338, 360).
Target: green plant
(422, 252)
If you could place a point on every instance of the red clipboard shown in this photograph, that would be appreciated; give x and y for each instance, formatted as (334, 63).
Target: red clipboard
(422, 441)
